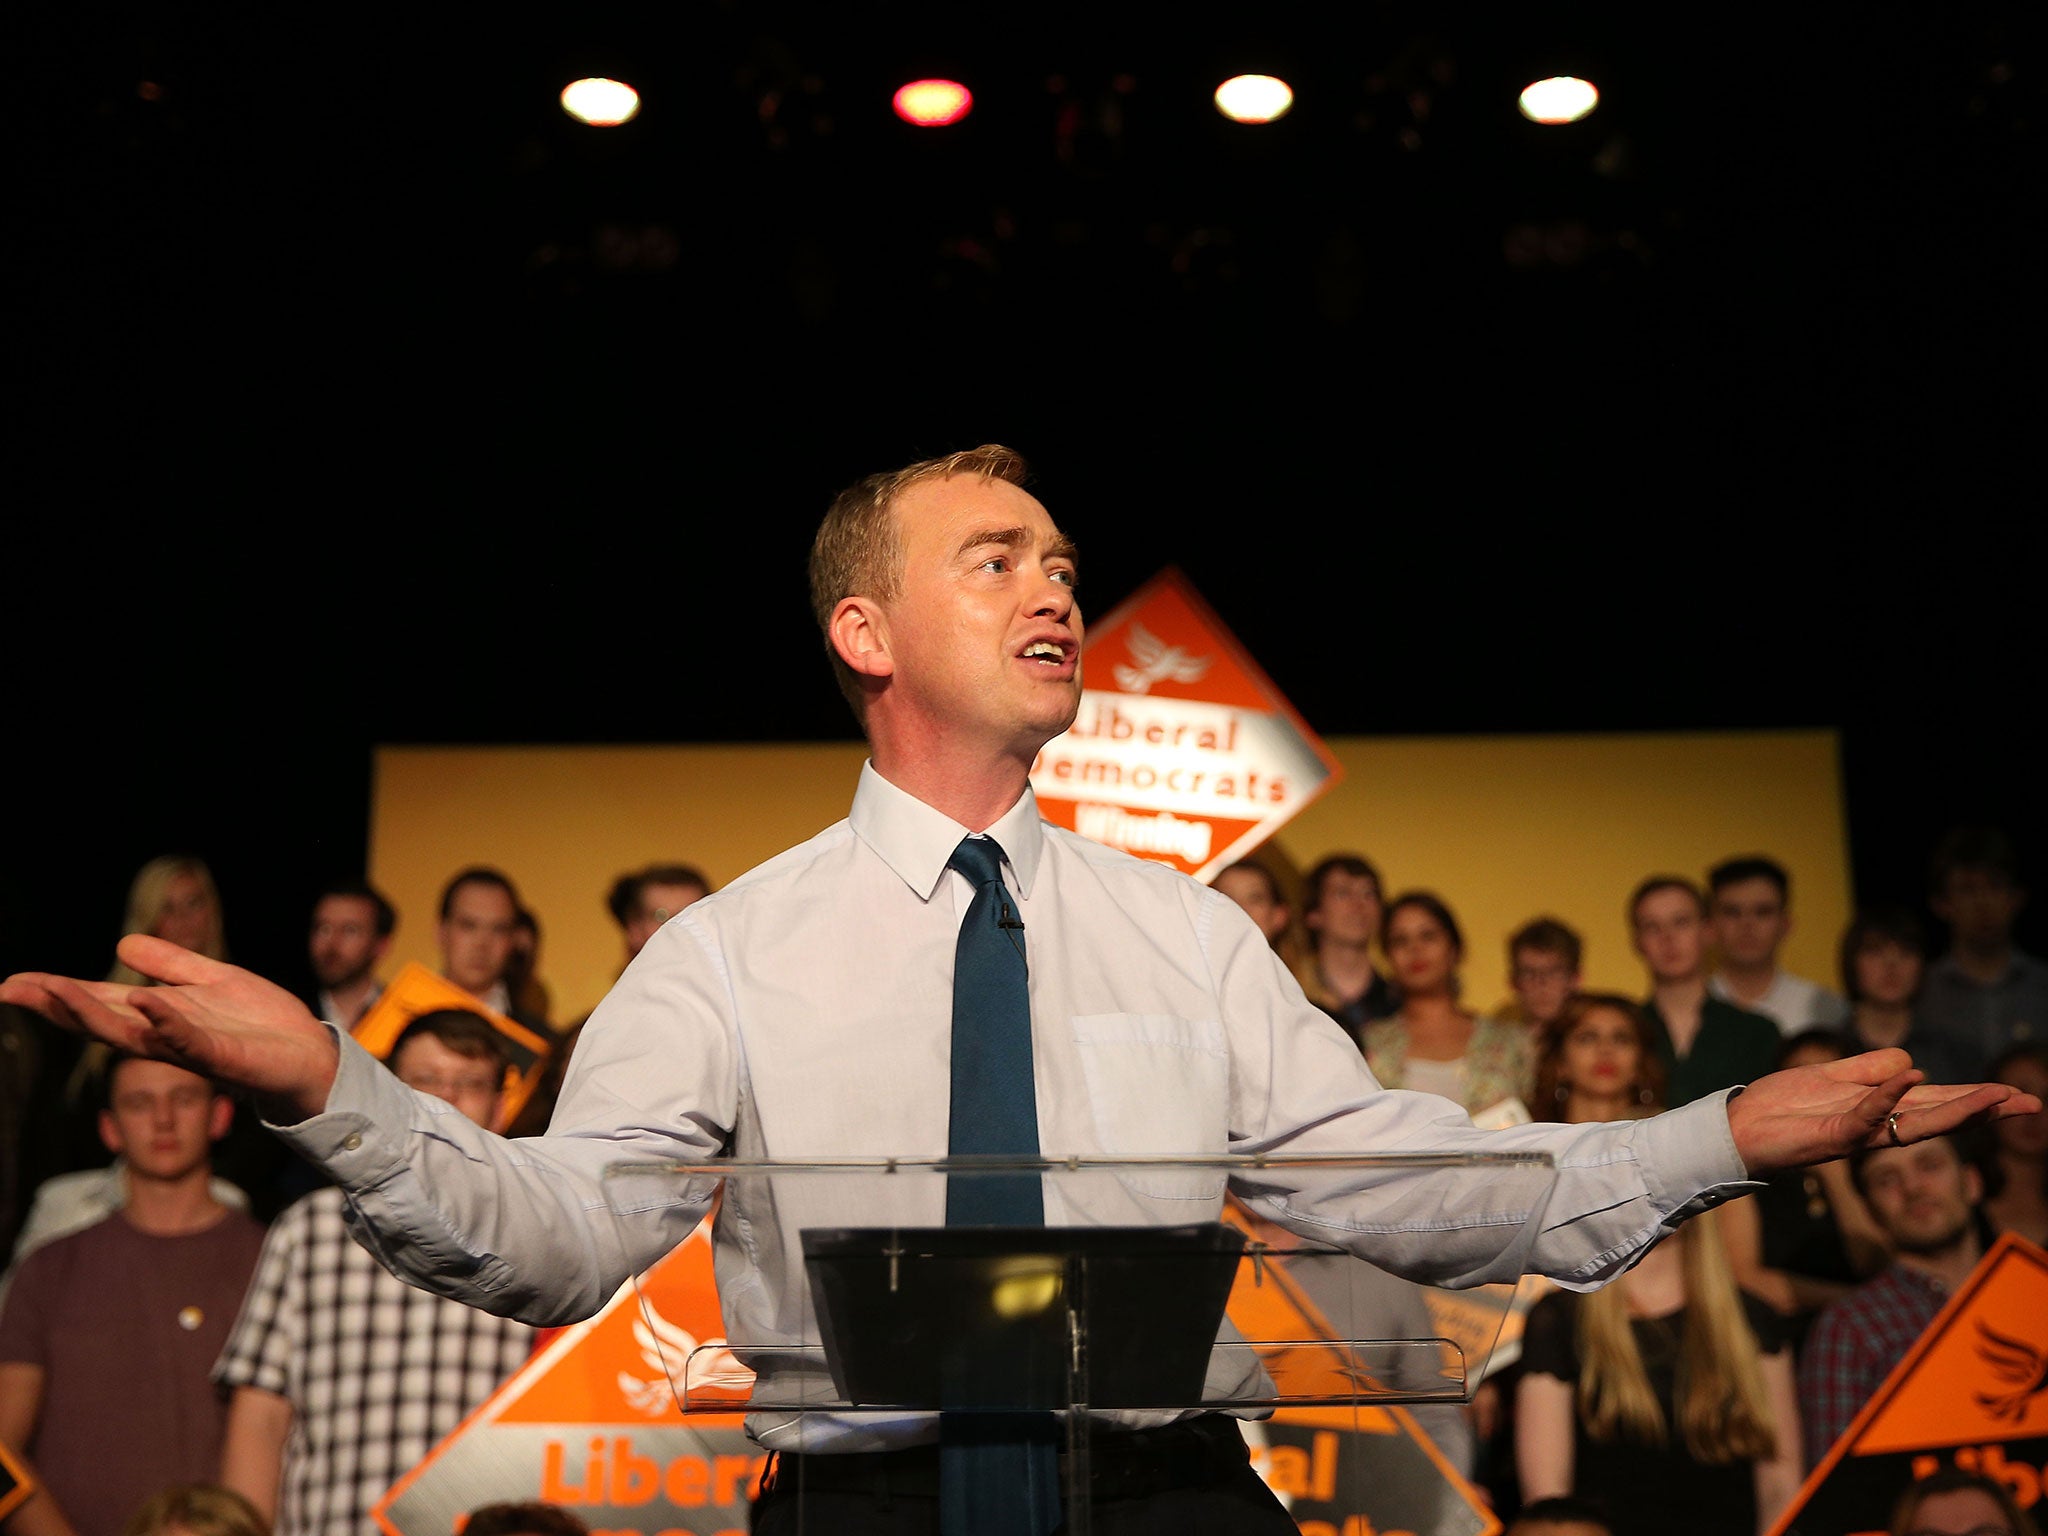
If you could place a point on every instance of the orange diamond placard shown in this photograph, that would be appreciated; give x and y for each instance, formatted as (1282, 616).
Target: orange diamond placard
(416, 990)
(1184, 751)
(16, 1485)
(1972, 1393)
(595, 1422)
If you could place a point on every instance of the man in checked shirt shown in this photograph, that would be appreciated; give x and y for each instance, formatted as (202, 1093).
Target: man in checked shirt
(343, 1376)
(1925, 1197)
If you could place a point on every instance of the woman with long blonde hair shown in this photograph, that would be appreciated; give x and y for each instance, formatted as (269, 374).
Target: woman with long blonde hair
(1668, 1395)
(173, 898)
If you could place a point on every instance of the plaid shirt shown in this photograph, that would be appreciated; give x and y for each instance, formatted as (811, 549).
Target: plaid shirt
(1854, 1344)
(376, 1371)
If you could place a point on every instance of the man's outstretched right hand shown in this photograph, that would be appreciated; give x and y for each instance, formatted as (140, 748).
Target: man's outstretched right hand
(217, 1019)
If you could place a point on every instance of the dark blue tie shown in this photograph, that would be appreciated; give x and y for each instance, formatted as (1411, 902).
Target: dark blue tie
(999, 1473)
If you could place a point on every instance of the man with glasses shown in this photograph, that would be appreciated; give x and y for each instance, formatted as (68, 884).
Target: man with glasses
(1543, 972)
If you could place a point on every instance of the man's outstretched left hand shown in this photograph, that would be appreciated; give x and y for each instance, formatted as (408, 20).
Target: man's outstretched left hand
(1808, 1115)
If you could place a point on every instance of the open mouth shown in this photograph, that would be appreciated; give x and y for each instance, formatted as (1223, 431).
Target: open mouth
(1050, 652)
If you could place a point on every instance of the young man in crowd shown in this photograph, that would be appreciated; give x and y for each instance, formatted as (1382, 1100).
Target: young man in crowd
(1341, 902)
(108, 1335)
(1544, 959)
(944, 971)
(1884, 971)
(1985, 993)
(342, 1376)
(1707, 1043)
(640, 903)
(478, 927)
(1925, 1197)
(1750, 900)
(349, 937)
(1252, 886)
(70, 1202)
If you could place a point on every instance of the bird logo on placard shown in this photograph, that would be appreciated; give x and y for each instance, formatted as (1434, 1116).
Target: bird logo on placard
(710, 1366)
(2024, 1366)
(1157, 662)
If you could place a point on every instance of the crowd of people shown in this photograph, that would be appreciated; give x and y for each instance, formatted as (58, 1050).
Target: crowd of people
(1723, 1365)
(190, 1337)
(159, 1330)
(1696, 1392)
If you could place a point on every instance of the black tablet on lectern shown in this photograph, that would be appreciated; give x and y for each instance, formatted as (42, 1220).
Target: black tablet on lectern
(984, 1317)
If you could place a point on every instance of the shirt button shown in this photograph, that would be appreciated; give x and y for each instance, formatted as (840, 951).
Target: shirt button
(354, 1142)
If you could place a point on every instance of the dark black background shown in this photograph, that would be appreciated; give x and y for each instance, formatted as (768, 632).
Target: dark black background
(363, 397)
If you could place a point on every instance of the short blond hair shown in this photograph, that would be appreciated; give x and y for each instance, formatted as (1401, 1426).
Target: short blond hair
(857, 552)
(199, 1509)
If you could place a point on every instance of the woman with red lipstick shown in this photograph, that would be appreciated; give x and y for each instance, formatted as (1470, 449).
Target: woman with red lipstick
(1598, 1062)
(1433, 1044)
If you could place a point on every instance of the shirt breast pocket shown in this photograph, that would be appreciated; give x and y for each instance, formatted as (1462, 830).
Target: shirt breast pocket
(1158, 1086)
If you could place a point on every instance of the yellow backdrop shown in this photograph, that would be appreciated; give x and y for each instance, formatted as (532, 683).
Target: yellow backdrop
(1504, 828)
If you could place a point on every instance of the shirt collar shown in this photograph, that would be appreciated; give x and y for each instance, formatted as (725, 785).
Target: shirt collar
(496, 997)
(916, 841)
(1919, 1280)
(331, 1010)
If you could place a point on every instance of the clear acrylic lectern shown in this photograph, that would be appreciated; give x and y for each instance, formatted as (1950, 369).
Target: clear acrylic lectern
(1156, 1286)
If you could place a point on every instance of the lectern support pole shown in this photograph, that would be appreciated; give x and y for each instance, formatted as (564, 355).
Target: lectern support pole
(1079, 1517)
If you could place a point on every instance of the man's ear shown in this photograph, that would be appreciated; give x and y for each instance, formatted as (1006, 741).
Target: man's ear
(380, 946)
(110, 1133)
(860, 636)
(219, 1117)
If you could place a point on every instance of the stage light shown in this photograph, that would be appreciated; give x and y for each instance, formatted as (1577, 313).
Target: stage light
(1254, 98)
(599, 102)
(933, 103)
(1560, 99)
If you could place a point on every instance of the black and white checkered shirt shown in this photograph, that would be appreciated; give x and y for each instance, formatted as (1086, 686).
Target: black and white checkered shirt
(376, 1371)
